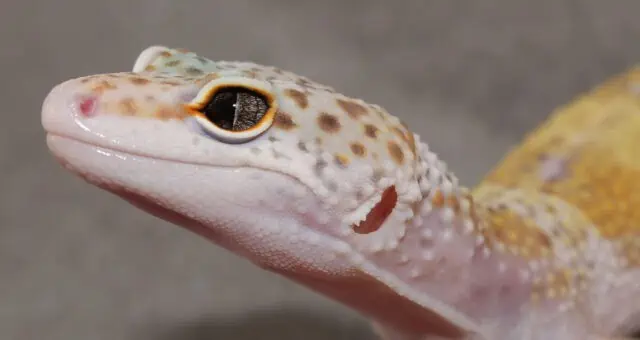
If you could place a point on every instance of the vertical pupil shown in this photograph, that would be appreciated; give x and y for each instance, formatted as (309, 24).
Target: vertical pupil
(236, 108)
(221, 110)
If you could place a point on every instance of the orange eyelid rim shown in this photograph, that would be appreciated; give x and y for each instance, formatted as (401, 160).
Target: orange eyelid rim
(197, 105)
(195, 109)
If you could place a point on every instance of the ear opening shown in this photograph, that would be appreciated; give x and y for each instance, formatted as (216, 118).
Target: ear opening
(379, 213)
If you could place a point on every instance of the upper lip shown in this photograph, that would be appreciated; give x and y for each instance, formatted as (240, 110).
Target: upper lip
(124, 150)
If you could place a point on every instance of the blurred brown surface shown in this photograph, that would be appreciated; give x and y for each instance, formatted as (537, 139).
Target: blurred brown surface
(78, 263)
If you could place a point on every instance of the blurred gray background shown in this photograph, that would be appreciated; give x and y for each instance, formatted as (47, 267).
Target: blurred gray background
(470, 76)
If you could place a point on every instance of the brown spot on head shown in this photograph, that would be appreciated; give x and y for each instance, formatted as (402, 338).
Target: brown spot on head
(371, 130)
(284, 121)
(300, 98)
(395, 152)
(165, 54)
(172, 63)
(406, 135)
(150, 68)
(328, 122)
(342, 160)
(193, 71)
(353, 109)
(102, 86)
(128, 106)
(358, 149)
(139, 81)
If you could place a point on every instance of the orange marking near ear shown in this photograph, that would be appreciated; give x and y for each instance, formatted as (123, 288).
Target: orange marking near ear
(378, 213)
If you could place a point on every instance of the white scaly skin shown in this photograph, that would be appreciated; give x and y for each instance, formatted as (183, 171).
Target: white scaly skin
(290, 196)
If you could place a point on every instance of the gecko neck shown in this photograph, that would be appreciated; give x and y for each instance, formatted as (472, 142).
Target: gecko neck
(443, 240)
(446, 209)
(419, 274)
(447, 260)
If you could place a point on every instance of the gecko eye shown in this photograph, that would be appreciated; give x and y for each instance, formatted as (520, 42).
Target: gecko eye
(234, 110)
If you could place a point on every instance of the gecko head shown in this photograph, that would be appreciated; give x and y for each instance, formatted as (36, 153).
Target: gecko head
(266, 141)
(280, 169)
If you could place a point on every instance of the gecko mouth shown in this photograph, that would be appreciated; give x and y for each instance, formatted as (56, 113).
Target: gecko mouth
(75, 154)
(52, 136)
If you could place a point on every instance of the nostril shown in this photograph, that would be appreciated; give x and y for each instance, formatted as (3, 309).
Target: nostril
(86, 104)
(66, 105)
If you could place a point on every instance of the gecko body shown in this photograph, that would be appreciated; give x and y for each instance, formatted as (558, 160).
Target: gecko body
(339, 195)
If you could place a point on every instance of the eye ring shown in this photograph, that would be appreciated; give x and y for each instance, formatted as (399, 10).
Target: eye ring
(146, 57)
(248, 102)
